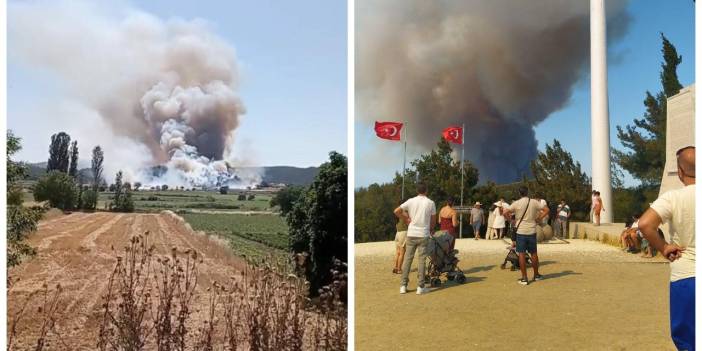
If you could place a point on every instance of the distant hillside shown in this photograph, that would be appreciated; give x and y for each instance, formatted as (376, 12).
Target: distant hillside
(290, 175)
(275, 174)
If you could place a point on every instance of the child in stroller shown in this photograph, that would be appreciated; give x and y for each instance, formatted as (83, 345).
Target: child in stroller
(442, 260)
(513, 258)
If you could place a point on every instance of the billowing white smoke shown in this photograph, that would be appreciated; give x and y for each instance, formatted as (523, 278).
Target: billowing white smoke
(499, 66)
(168, 85)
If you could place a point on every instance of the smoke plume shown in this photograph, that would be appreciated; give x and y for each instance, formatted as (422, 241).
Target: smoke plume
(168, 85)
(500, 67)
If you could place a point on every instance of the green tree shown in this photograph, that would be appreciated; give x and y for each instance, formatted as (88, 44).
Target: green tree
(646, 137)
(441, 174)
(21, 221)
(117, 203)
(374, 219)
(557, 176)
(89, 199)
(73, 169)
(318, 221)
(58, 188)
(58, 153)
(96, 167)
(286, 198)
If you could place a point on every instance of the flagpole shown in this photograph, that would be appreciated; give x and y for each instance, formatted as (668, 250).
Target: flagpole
(404, 161)
(463, 150)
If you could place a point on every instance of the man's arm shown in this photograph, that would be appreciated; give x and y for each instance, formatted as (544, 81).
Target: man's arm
(648, 225)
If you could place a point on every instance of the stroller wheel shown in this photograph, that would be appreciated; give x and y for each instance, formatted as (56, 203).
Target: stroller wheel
(450, 276)
(503, 266)
(436, 282)
(461, 279)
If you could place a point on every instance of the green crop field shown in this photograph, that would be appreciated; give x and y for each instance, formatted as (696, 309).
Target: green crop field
(250, 235)
(179, 201)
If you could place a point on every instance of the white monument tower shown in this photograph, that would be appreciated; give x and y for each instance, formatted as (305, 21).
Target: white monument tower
(599, 106)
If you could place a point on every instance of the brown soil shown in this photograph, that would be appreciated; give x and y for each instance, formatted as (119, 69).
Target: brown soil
(78, 251)
(591, 299)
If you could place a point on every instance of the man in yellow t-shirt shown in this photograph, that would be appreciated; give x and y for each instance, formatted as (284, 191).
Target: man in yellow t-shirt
(677, 207)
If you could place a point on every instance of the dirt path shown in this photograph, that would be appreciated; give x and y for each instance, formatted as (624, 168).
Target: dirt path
(78, 251)
(594, 297)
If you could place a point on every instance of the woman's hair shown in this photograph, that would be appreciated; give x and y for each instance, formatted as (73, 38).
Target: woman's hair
(450, 201)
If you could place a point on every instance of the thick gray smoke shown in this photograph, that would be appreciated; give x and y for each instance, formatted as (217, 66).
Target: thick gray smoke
(170, 86)
(500, 67)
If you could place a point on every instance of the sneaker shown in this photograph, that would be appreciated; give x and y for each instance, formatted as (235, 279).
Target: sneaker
(523, 281)
(538, 277)
(422, 291)
(403, 289)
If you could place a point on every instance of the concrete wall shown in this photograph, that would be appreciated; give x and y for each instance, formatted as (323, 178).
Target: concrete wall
(605, 233)
(680, 132)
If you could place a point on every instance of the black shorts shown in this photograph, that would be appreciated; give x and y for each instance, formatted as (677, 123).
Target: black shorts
(526, 243)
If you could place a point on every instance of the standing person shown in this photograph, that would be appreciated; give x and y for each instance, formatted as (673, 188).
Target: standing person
(499, 223)
(527, 213)
(477, 217)
(420, 213)
(597, 207)
(562, 217)
(448, 220)
(593, 199)
(400, 241)
(677, 207)
(490, 232)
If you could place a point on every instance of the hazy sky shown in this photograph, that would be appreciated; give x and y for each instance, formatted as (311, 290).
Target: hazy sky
(292, 57)
(634, 68)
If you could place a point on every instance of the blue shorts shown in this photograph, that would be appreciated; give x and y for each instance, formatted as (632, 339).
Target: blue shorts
(476, 225)
(526, 243)
(682, 313)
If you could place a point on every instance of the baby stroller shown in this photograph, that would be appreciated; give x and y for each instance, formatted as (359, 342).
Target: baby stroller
(513, 258)
(442, 261)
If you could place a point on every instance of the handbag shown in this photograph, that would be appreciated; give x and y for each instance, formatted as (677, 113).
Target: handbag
(513, 230)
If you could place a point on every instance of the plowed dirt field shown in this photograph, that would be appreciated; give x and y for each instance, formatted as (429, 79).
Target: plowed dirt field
(78, 251)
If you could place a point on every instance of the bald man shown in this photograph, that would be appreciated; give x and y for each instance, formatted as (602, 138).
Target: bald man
(677, 207)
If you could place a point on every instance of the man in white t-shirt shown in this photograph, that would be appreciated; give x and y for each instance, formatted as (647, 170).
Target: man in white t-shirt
(420, 213)
(677, 207)
(562, 217)
(527, 213)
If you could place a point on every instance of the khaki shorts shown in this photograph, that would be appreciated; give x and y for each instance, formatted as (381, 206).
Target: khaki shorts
(400, 239)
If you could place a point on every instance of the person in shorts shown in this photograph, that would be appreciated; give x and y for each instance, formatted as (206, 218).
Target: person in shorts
(677, 208)
(527, 212)
(400, 241)
(477, 217)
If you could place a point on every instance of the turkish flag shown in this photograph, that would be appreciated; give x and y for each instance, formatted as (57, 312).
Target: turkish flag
(388, 130)
(453, 135)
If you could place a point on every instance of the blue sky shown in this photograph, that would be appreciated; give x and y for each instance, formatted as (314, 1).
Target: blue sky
(293, 60)
(635, 70)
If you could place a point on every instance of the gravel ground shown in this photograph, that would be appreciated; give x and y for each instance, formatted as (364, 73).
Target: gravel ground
(594, 297)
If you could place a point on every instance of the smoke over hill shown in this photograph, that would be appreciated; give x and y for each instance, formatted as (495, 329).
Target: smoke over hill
(500, 67)
(169, 86)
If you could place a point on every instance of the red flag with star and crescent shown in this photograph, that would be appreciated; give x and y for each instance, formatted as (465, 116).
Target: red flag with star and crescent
(388, 130)
(453, 134)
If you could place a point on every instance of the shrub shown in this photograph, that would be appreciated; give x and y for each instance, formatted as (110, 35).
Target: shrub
(224, 190)
(251, 197)
(318, 221)
(58, 188)
(241, 197)
(90, 198)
